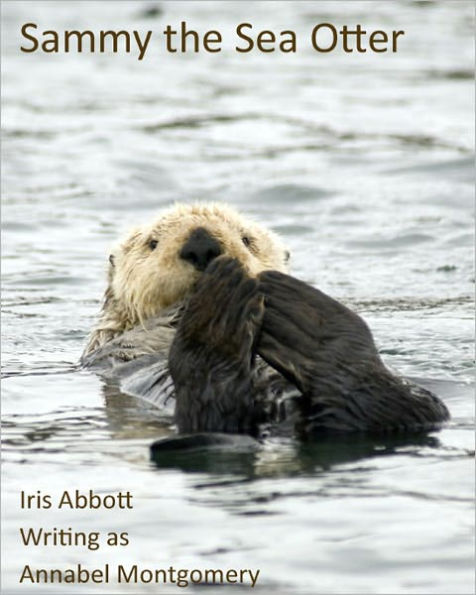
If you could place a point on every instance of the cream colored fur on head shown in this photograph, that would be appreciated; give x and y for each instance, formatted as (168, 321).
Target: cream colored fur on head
(146, 273)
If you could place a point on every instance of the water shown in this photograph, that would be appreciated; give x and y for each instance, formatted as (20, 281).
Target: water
(364, 164)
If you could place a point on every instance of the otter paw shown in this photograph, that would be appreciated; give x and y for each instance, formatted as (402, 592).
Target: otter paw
(225, 311)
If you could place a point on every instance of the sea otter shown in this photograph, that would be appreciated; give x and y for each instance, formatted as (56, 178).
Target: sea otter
(201, 318)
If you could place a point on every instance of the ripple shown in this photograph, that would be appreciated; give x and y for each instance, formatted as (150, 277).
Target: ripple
(403, 241)
(289, 193)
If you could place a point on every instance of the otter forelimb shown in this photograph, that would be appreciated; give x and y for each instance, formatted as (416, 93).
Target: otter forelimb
(328, 352)
(211, 355)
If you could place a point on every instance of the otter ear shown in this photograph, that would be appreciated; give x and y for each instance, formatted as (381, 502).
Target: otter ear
(111, 260)
(287, 256)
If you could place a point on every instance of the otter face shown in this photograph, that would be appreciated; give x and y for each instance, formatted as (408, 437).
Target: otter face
(158, 264)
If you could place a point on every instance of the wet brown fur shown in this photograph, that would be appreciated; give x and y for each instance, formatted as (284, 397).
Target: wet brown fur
(240, 345)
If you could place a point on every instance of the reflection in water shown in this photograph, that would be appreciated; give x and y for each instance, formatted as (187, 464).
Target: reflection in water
(239, 455)
(130, 417)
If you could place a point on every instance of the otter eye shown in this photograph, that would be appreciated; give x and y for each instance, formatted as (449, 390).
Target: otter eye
(152, 244)
(246, 241)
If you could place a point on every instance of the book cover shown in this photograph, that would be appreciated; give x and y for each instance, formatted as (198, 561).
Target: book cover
(345, 128)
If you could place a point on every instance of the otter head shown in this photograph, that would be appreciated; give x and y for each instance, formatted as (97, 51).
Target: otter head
(157, 265)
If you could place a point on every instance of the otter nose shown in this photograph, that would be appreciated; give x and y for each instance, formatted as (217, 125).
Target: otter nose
(200, 249)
